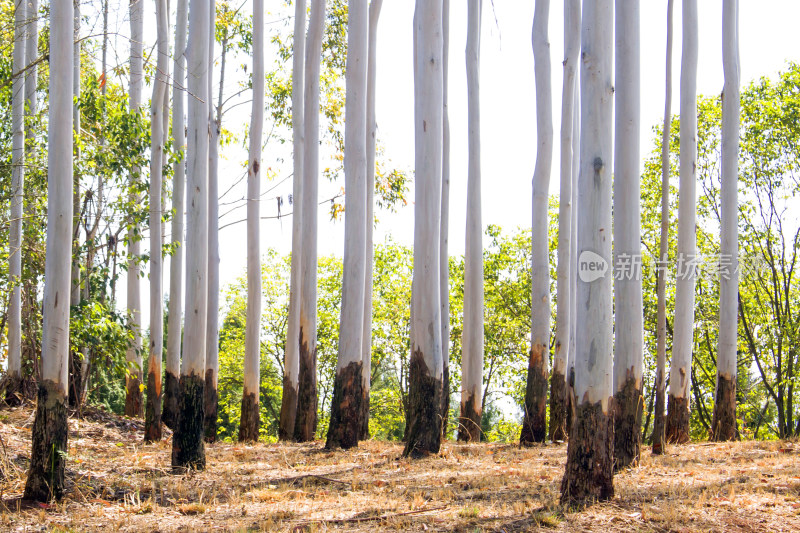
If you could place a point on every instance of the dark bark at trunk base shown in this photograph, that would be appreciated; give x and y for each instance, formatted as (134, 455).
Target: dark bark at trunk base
(424, 424)
(133, 397)
(724, 427)
(288, 411)
(170, 413)
(210, 398)
(188, 448)
(659, 434)
(152, 414)
(364, 414)
(628, 404)
(76, 379)
(469, 424)
(13, 392)
(534, 425)
(677, 430)
(589, 475)
(445, 402)
(345, 424)
(558, 407)
(570, 400)
(249, 421)
(305, 426)
(49, 447)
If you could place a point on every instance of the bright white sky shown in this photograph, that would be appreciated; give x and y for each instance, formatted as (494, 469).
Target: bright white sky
(769, 39)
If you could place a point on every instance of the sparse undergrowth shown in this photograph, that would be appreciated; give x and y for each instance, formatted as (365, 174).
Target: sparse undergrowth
(115, 482)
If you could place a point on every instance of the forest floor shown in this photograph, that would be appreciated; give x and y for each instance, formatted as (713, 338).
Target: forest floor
(116, 483)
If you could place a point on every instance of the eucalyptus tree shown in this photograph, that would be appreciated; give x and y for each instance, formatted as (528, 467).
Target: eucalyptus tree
(291, 364)
(76, 357)
(677, 429)
(589, 471)
(345, 422)
(372, 130)
(663, 253)
(188, 450)
(49, 435)
(306, 419)
(152, 419)
(566, 269)
(724, 423)
(426, 366)
(628, 318)
(444, 254)
(133, 398)
(174, 320)
(249, 422)
(14, 370)
(212, 322)
(534, 425)
(469, 427)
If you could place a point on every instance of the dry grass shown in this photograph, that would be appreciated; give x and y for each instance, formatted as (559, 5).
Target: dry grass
(115, 483)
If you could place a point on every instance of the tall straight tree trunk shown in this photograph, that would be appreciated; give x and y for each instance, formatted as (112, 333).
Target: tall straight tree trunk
(573, 261)
(152, 419)
(566, 270)
(444, 254)
(14, 371)
(175, 321)
(345, 423)
(424, 433)
(49, 435)
(75, 287)
(629, 329)
(677, 429)
(663, 253)
(249, 422)
(534, 425)
(372, 129)
(188, 449)
(306, 420)
(291, 364)
(469, 427)
(212, 323)
(724, 423)
(133, 397)
(589, 472)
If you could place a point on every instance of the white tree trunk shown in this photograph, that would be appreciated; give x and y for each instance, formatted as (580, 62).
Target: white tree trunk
(133, 401)
(175, 320)
(31, 55)
(49, 435)
(558, 391)
(306, 421)
(444, 235)
(248, 429)
(724, 424)
(678, 415)
(424, 434)
(628, 331)
(372, 130)
(535, 423)
(573, 261)
(187, 449)
(592, 432)
(212, 323)
(472, 336)
(291, 364)
(155, 349)
(75, 287)
(17, 187)
(661, 282)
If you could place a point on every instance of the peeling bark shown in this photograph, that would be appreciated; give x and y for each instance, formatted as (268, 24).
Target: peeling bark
(424, 435)
(534, 425)
(152, 415)
(348, 394)
(133, 398)
(558, 407)
(188, 448)
(590, 474)
(724, 426)
(288, 410)
(469, 424)
(249, 422)
(305, 427)
(677, 430)
(49, 436)
(628, 403)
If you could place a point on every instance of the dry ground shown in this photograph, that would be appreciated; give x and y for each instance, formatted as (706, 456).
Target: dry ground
(115, 483)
